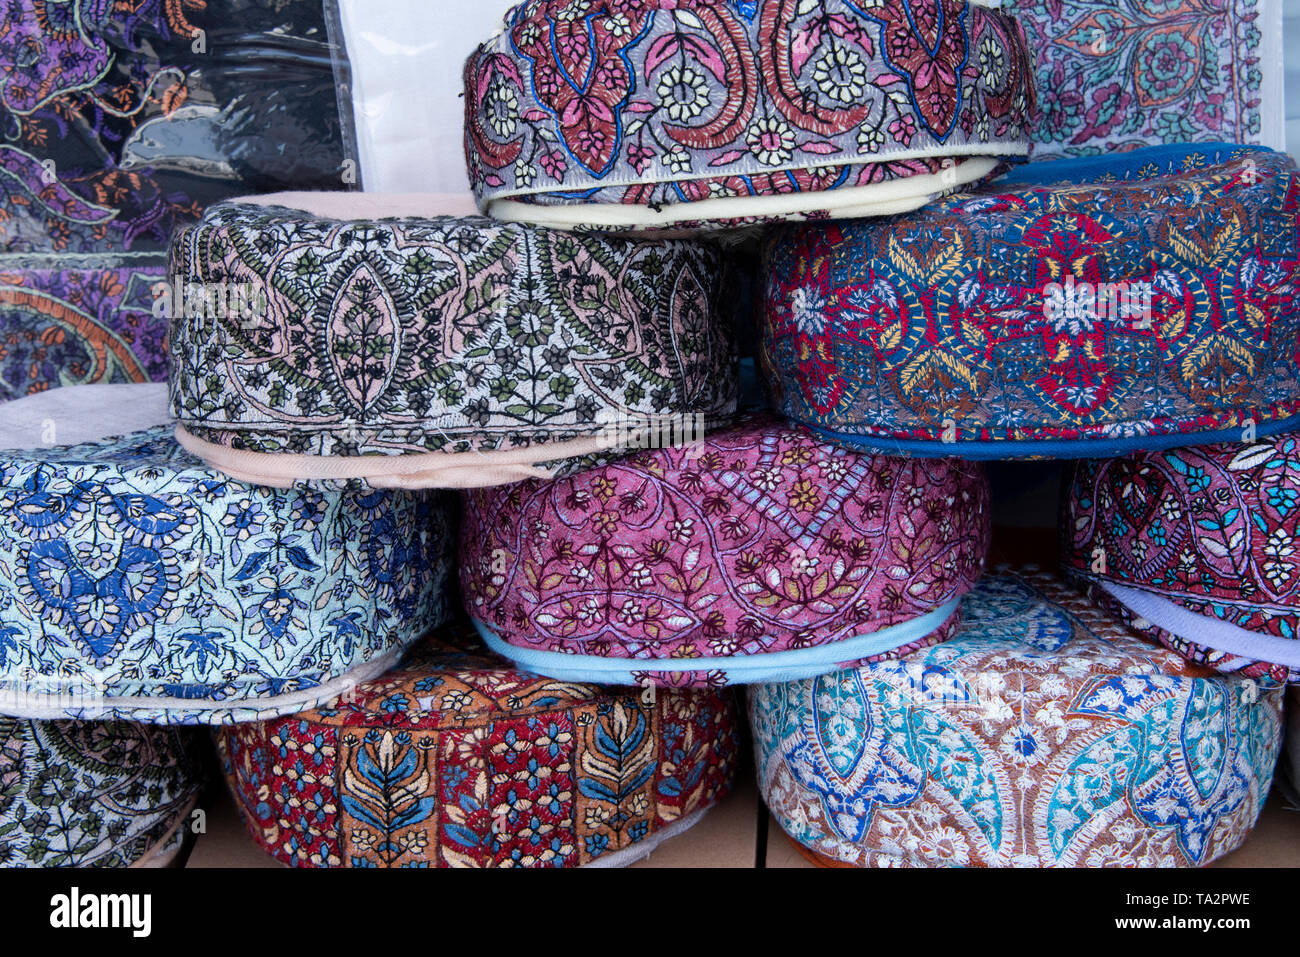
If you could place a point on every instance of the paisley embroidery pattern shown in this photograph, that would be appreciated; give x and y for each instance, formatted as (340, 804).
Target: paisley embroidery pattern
(1124, 74)
(1211, 528)
(1080, 746)
(89, 794)
(753, 541)
(79, 320)
(127, 569)
(652, 104)
(454, 760)
(117, 129)
(446, 334)
(1017, 322)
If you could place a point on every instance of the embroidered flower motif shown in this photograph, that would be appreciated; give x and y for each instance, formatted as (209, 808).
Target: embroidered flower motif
(553, 164)
(681, 529)
(808, 311)
(677, 160)
(771, 141)
(870, 138)
(903, 129)
(618, 25)
(804, 495)
(993, 63)
(243, 519)
(631, 612)
(767, 478)
(502, 109)
(684, 92)
(841, 75)
(640, 156)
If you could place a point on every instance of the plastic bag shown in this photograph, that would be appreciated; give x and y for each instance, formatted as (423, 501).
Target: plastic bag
(120, 121)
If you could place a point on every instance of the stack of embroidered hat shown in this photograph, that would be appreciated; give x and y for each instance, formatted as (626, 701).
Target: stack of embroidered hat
(526, 358)
(146, 585)
(391, 346)
(633, 537)
(1021, 321)
(1138, 306)
(110, 546)
(1028, 320)
(759, 552)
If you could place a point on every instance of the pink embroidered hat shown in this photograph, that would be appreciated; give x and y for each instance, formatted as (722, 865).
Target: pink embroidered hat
(758, 554)
(1196, 548)
(696, 114)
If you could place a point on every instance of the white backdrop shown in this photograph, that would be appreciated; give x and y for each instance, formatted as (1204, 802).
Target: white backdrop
(1291, 56)
(407, 57)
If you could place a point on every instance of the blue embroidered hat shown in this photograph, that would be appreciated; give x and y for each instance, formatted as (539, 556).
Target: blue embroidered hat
(1044, 734)
(94, 794)
(1040, 321)
(1146, 163)
(137, 583)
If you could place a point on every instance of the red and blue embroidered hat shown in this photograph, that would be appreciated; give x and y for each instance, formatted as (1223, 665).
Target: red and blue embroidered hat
(1047, 321)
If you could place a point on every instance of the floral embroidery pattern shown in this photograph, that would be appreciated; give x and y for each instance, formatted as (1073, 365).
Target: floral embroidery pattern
(1044, 734)
(941, 327)
(1123, 74)
(73, 324)
(129, 569)
(117, 130)
(451, 334)
(454, 760)
(86, 794)
(1150, 162)
(754, 540)
(1212, 528)
(652, 103)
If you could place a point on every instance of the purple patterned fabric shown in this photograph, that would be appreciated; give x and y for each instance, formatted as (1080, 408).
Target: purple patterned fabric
(124, 118)
(79, 320)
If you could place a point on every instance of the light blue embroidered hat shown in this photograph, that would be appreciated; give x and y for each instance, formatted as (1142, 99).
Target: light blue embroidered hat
(137, 583)
(1044, 734)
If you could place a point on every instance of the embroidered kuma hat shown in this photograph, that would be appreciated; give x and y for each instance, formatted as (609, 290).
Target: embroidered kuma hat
(653, 115)
(1045, 734)
(1196, 548)
(333, 337)
(456, 759)
(137, 583)
(1042, 321)
(757, 554)
(94, 794)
